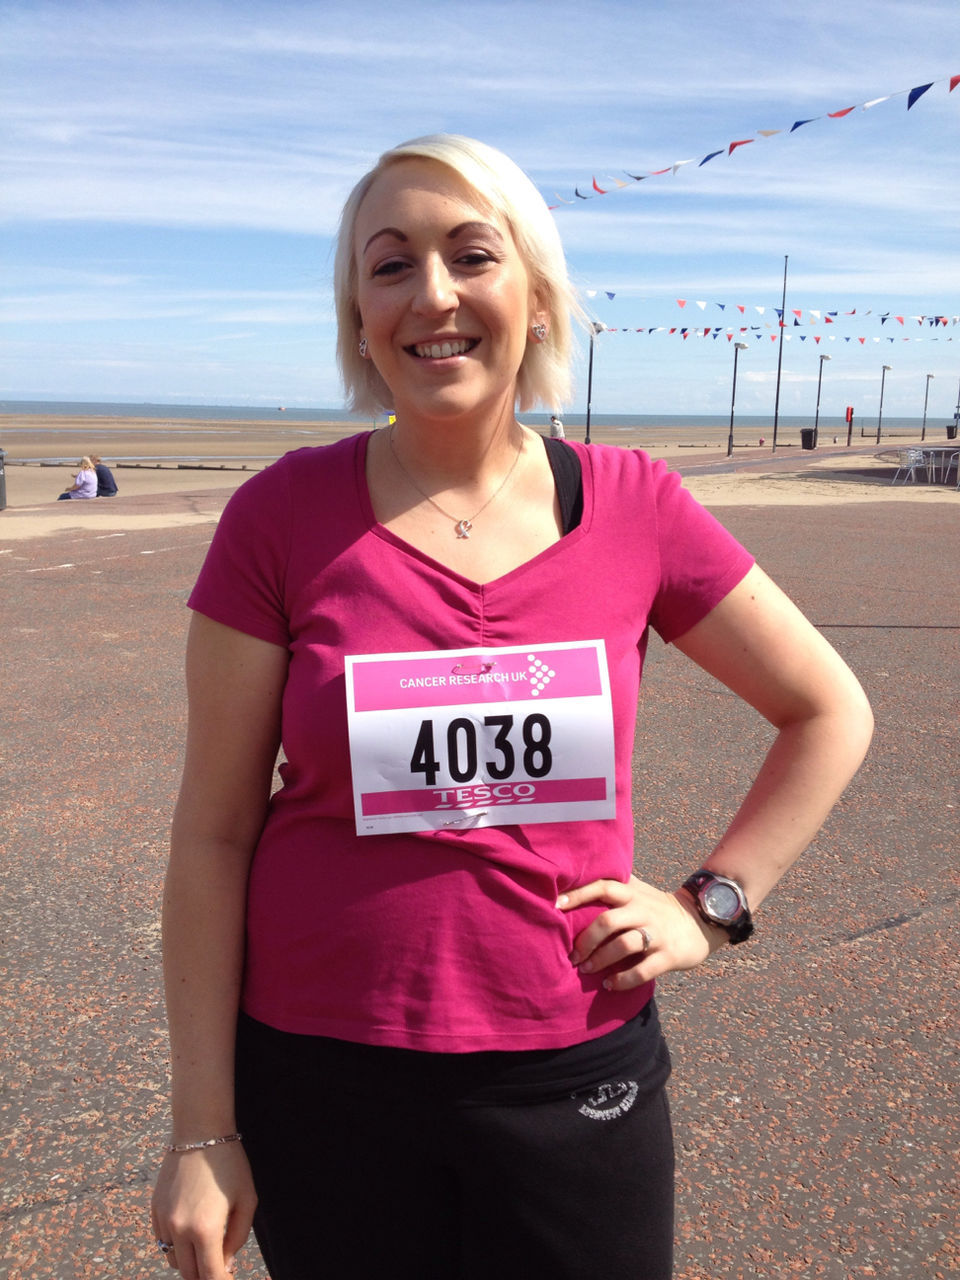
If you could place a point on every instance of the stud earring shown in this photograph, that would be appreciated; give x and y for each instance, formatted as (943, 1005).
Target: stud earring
(363, 348)
(539, 331)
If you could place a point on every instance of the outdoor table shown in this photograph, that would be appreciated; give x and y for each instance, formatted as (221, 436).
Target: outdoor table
(940, 460)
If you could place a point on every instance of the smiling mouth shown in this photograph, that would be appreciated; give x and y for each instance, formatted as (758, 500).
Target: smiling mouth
(440, 350)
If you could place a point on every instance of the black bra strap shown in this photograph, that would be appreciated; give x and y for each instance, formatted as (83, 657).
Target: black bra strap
(568, 477)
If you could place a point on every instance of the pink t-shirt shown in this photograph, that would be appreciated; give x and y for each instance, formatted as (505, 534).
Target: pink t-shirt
(445, 940)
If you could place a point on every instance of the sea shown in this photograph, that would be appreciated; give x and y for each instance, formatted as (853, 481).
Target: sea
(658, 426)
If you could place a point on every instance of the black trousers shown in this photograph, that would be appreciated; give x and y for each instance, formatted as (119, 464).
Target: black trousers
(375, 1162)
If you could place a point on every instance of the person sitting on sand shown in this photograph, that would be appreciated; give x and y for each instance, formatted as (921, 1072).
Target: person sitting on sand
(85, 484)
(106, 485)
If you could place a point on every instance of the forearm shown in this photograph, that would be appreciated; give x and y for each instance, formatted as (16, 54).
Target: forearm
(806, 770)
(761, 647)
(758, 645)
(203, 945)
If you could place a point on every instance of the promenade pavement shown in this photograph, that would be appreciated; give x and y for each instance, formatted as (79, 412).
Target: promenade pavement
(816, 1069)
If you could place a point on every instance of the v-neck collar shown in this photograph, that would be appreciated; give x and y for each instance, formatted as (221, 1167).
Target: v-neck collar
(386, 535)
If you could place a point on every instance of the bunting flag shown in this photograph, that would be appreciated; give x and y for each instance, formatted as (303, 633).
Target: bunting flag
(816, 314)
(757, 332)
(912, 95)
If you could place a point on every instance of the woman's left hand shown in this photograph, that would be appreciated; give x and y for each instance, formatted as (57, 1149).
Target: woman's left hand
(644, 934)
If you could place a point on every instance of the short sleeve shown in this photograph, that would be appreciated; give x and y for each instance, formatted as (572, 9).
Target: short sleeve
(243, 579)
(700, 561)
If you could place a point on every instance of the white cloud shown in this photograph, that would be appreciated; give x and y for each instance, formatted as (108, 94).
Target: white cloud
(241, 117)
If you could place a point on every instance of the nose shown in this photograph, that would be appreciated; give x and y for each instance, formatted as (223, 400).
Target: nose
(436, 293)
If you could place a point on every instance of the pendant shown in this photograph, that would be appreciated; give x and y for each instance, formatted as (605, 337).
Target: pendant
(463, 528)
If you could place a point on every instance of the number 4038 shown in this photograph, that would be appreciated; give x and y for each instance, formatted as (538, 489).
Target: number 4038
(462, 757)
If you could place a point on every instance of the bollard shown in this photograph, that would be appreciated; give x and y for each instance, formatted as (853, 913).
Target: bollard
(3, 483)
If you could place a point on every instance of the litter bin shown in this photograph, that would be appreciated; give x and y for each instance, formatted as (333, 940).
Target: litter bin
(951, 435)
(807, 437)
(3, 483)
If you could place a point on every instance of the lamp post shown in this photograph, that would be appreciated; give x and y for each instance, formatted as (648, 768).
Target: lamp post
(737, 348)
(883, 375)
(783, 323)
(596, 326)
(926, 394)
(956, 415)
(816, 420)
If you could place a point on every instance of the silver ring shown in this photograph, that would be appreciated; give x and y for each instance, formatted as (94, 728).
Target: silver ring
(165, 1246)
(646, 940)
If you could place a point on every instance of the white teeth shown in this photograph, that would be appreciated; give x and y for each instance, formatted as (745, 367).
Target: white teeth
(438, 350)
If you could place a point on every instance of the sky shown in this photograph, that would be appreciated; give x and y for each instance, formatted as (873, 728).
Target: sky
(171, 175)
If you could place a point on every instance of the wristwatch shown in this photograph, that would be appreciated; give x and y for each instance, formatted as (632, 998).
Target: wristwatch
(721, 903)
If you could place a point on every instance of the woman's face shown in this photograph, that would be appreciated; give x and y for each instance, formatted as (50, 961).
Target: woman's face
(444, 297)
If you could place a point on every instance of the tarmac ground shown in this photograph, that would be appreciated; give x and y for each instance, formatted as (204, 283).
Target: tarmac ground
(815, 1091)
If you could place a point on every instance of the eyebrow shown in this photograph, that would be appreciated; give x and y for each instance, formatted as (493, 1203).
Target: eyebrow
(387, 231)
(452, 234)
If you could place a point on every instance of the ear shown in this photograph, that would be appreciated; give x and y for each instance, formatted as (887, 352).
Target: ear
(539, 322)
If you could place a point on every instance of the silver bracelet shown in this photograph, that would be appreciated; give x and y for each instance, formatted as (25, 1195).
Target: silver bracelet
(199, 1146)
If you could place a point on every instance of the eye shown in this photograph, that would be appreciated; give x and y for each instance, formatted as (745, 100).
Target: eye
(391, 267)
(476, 258)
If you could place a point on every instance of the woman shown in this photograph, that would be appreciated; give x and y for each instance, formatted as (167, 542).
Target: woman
(84, 484)
(447, 1061)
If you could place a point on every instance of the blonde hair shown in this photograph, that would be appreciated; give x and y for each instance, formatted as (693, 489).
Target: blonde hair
(502, 187)
(86, 464)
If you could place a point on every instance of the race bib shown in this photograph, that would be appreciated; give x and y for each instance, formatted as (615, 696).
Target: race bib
(480, 737)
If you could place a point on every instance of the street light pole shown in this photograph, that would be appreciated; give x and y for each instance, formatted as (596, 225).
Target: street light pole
(737, 348)
(783, 323)
(926, 394)
(883, 375)
(816, 421)
(595, 327)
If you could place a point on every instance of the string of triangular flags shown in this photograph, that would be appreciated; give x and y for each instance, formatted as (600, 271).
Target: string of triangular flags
(592, 190)
(756, 331)
(816, 315)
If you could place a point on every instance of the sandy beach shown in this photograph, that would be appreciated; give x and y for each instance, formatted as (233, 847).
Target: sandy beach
(181, 472)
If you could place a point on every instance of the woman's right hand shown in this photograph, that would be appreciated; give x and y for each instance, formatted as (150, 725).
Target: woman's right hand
(203, 1205)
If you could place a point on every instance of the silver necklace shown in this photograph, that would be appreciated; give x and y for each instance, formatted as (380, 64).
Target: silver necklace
(461, 526)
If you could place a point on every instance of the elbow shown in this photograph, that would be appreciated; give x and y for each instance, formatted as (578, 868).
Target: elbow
(852, 724)
(840, 721)
(862, 718)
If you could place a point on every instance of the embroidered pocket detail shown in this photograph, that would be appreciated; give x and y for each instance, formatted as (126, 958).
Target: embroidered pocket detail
(610, 1101)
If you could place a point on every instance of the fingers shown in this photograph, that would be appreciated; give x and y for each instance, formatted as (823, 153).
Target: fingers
(202, 1212)
(169, 1251)
(618, 940)
(613, 892)
(239, 1225)
(642, 934)
(198, 1259)
(202, 1261)
(164, 1242)
(619, 954)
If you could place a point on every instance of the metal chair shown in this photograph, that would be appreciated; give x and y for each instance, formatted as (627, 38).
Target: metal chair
(940, 462)
(912, 461)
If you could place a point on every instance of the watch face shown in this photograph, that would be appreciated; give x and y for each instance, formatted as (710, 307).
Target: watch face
(721, 902)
